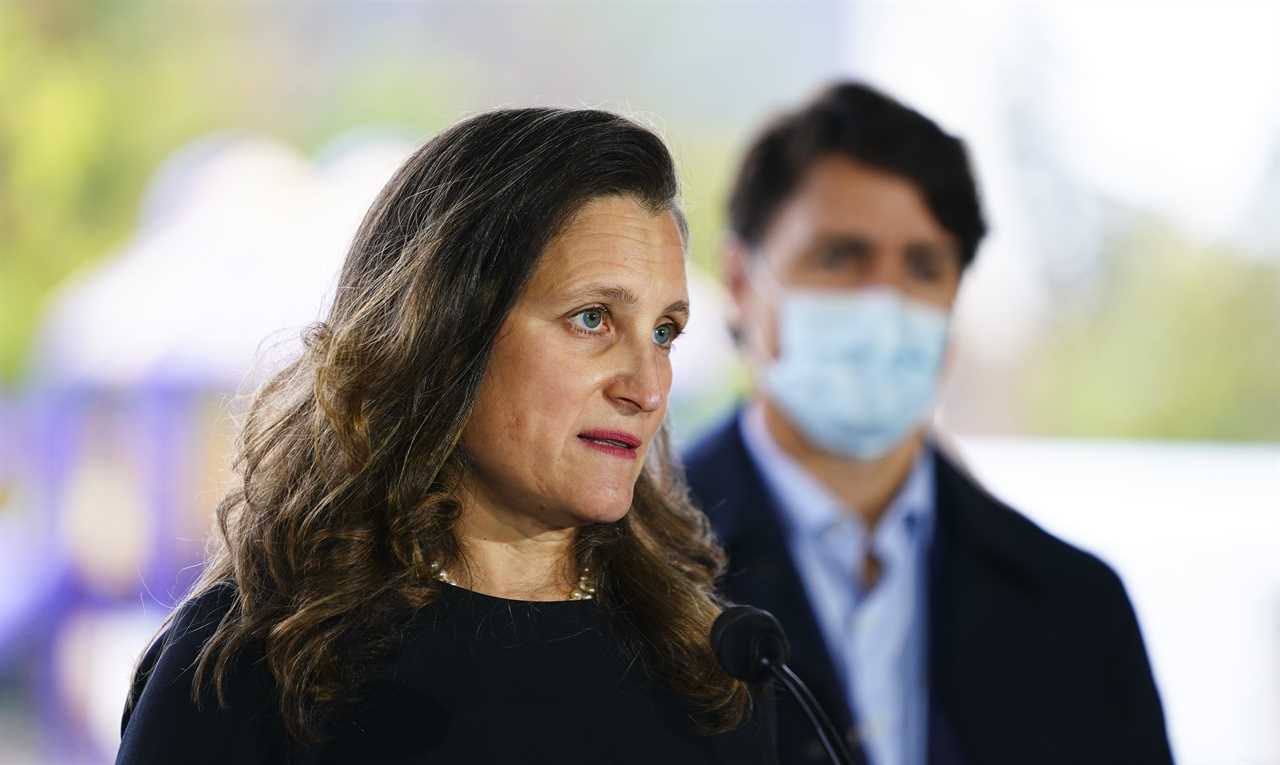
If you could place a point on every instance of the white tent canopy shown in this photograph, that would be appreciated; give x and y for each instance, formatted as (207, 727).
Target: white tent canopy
(239, 245)
(240, 239)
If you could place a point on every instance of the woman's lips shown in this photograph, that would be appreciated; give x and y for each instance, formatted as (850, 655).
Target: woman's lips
(616, 442)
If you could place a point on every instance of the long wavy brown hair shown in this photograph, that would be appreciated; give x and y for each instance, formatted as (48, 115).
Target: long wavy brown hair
(349, 458)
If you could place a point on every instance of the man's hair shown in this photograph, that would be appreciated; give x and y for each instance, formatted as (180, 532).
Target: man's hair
(852, 120)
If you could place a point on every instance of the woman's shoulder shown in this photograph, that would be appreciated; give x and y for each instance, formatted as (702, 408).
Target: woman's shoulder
(755, 740)
(163, 718)
(174, 652)
(197, 618)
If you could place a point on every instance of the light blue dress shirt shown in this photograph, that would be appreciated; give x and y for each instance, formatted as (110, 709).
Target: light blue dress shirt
(876, 638)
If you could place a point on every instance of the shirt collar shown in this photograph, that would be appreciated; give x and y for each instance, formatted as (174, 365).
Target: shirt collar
(810, 509)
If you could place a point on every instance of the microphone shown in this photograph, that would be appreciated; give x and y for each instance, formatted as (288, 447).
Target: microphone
(751, 646)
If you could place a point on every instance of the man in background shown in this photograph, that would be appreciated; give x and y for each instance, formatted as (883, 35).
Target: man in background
(933, 623)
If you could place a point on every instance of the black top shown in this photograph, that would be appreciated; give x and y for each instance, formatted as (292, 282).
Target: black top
(478, 679)
(1035, 655)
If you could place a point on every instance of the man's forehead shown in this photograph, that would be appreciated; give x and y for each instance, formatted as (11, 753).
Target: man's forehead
(849, 205)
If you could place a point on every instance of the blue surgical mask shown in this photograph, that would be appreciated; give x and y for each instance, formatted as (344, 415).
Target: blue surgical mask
(858, 370)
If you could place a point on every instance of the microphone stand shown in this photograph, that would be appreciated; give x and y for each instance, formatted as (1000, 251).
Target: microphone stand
(831, 739)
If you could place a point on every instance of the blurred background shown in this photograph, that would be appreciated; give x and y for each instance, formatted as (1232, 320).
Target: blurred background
(179, 181)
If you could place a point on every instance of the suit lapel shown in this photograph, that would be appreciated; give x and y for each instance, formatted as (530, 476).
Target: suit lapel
(972, 640)
(761, 572)
(763, 575)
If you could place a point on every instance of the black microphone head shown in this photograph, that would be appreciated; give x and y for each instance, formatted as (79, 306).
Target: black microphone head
(747, 640)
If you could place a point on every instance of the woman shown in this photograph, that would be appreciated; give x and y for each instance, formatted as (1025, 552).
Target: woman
(459, 536)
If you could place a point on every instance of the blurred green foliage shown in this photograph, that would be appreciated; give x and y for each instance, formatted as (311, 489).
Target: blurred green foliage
(97, 94)
(1179, 340)
(92, 103)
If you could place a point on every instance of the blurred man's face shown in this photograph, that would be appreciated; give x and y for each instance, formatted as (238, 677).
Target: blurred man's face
(848, 226)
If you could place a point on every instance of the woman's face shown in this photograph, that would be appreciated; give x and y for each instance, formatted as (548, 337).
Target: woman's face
(577, 383)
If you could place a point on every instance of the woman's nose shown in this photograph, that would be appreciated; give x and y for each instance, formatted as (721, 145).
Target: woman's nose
(640, 384)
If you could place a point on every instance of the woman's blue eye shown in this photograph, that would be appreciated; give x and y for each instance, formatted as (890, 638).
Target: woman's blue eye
(590, 319)
(664, 335)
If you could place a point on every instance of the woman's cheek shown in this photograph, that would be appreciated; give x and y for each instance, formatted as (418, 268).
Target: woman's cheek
(559, 379)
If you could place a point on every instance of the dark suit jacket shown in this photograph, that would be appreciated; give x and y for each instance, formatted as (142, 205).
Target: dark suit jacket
(1035, 652)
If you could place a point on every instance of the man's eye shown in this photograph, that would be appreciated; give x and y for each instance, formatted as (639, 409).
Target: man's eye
(589, 320)
(833, 259)
(842, 256)
(924, 268)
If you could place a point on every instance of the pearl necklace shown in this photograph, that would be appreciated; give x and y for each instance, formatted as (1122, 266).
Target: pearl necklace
(584, 591)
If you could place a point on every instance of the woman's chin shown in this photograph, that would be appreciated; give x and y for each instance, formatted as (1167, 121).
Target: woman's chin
(602, 506)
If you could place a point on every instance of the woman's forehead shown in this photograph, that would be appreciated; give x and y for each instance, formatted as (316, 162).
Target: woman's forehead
(614, 240)
(620, 218)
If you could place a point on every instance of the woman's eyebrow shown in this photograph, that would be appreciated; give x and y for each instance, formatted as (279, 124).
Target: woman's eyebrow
(616, 294)
(605, 294)
(680, 306)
